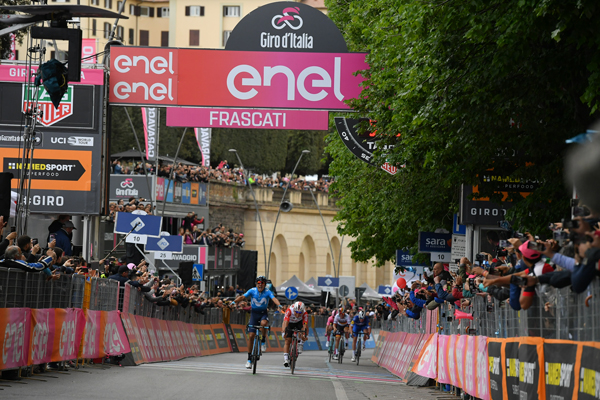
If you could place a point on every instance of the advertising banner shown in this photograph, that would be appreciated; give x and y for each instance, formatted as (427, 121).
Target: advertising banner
(134, 343)
(435, 242)
(42, 336)
(247, 79)
(427, 365)
(66, 169)
(126, 186)
(115, 340)
(203, 138)
(93, 345)
(303, 120)
(15, 330)
(150, 119)
(443, 375)
(239, 332)
(186, 193)
(559, 364)
(587, 371)
(531, 368)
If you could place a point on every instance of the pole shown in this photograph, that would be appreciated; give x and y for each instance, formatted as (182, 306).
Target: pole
(255, 206)
(279, 210)
(326, 233)
(340, 256)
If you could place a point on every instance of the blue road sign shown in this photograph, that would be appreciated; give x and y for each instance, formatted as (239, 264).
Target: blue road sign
(458, 229)
(384, 290)
(198, 272)
(430, 242)
(405, 259)
(328, 282)
(173, 244)
(144, 224)
(291, 293)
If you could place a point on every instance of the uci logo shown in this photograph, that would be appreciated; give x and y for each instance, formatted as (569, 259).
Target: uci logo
(283, 20)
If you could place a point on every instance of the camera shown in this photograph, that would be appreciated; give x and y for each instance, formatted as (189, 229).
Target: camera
(535, 246)
(13, 228)
(480, 258)
(573, 224)
(518, 280)
(581, 211)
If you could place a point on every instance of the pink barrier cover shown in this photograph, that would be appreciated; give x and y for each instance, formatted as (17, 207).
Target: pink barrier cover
(145, 344)
(470, 384)
(115, 339)
(15, 330)
(162, 343)
(443, 375)
(459, 352)
(42, 339)
(427, 365)
(482, 369)
(450, 356)
(91, 342)
(154, 341)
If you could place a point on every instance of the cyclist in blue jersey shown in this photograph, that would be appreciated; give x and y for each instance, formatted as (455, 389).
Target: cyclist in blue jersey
(259, 301)
(360, 323)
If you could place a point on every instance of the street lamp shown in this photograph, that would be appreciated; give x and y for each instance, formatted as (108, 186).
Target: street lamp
(255, 206)
(280, 204)
(327, 233)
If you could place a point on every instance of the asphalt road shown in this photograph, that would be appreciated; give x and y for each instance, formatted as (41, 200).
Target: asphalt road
(222, 377)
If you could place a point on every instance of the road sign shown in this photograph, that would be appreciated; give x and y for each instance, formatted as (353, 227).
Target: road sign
(441, 257)
(198, 272)
(328, 282)
(291, 293)
(344, 290)
(144, 224)
(358, 292)
(458, 229)
(385, 290)
(173, 244)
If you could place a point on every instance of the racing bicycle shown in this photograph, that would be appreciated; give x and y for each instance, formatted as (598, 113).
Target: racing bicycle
(359, 346)
(341, 345)
(331, 344)
(294, 349)
(256, 351)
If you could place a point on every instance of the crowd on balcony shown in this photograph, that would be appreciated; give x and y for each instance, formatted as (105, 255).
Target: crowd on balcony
(223, 173)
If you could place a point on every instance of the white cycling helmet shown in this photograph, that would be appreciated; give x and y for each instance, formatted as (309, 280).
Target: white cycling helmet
(298, 307)
(361, 314)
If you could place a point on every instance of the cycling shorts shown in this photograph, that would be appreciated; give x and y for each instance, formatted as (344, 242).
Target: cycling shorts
(356, 329)
(339, 329)
(291, 326)
(255, 318)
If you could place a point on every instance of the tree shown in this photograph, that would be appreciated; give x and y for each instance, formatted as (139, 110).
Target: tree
(470, 86)
(5, 40)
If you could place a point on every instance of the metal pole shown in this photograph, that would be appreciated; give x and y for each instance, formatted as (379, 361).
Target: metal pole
(279, 210)
(340, 256)
(256, 206)
(326, 233)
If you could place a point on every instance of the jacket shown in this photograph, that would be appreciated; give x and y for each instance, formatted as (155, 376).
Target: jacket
(64, 242)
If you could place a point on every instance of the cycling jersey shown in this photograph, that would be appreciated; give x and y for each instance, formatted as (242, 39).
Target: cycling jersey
(259, 300)
(357, 323)
(330, 320)
(341, 321)
(294, 317)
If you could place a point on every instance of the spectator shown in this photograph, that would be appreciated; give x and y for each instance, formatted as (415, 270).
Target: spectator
(63, 238)
(13, 258)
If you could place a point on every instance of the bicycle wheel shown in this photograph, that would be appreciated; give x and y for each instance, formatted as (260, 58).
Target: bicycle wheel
(330, 349)
(358, 350)
(293, 354)
(255, 352)
(341, 349)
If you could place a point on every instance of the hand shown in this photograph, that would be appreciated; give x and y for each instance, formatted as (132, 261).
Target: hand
(11, 236)
(437, 279)
(52, 254)
(36, 249)
(52, 244)
(478, 270)
(465, 261)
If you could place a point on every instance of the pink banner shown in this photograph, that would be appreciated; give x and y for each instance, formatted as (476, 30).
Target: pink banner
(42, 335)
(162, 343)
(248, 118)
(470, 383)
(459, 358)
(72, 324)
(88, 51)
(145, 344)
(427, 365)
(18, 73)
(115, 340)
(450, 356)
(15, 331)
(160, 189)
(443, 374)
(482, 369)
(154, 341)
(92, 347)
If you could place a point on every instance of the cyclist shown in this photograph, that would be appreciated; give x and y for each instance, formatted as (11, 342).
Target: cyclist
(329, 327)
(296, 318)
(259, 301)
(341, 325)
(360, 323)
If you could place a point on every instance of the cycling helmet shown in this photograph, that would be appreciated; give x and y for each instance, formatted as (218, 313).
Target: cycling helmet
(261, 278)
(298, 307)
(361, 314)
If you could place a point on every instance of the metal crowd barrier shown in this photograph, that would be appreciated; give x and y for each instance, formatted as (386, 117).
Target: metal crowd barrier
(31, 289)
(555, 314)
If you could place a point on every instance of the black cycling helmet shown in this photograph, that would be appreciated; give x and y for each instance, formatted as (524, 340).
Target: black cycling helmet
(261, 278)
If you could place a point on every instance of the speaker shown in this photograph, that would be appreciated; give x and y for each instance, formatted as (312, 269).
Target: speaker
(286, 206)
(5, 196)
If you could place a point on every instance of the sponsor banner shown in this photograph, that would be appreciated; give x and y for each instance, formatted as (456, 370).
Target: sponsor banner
(274, 341)
(200, 338)
(427, 364)
(210, 340)
(132, 338)
(153, 339)
(42, 336)
(199, 194)
(93, 345)
(304, 120)
(378, 346)
(19, 73)
(451, 359)
(115, 340)
(559, 364)
(88, 51)
(171, 77)
(241, 339)
(481, 211)
(16, 334)
(160, 189)
(203, 138)
(145, 344)
(186, 193)
(587, 370)
(150, 119)
(443, 375)
(223, 345)
(511, 380)
(531, 369)
(56, 334)
(126, 186)
(69, 324)
(435, 242)
(483, 378)
(49, 114)
(497, 367)
(405, 259)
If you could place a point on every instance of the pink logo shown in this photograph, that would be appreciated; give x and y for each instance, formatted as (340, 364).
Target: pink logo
(287, 19)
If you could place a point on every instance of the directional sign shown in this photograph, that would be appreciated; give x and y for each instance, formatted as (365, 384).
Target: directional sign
(291, 293)
(358, 292)
(198, 272)
(458, 229)
(328, 282)
(144, 224)
(344, 290)
(385, 290)
(173, 244)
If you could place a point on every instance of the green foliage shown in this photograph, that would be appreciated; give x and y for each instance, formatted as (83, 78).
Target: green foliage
(5, 40)
(470, 86)
(262, 151)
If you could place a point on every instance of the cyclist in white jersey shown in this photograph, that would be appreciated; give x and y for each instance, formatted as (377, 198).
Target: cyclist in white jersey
(341, 325)
(296, 318)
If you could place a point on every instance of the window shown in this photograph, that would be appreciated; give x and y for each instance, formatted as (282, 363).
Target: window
(93, 27)
(146, 11)
(107, 3)
(194, 11)
(60, 1)
(162, 12)
(231, 11)
(194, 37)
(226, 35)
(95, 2)
(132, 9)
(131, 36)
(121, 33)
(119, 5)
(107, 29)
(144, 38)
(164, 38)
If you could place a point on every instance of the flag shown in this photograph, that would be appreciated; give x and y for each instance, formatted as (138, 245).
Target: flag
(203, 136)
(150, 117)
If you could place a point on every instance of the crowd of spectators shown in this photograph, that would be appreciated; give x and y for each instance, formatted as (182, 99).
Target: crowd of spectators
(223, 172)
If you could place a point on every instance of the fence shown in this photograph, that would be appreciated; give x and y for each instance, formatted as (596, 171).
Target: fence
(555, 314)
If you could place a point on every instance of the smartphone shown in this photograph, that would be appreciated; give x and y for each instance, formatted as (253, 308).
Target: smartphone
(13, 228)
(504, 243)
(34, 241)
(52, 237)
(535, 246)
(518, 280)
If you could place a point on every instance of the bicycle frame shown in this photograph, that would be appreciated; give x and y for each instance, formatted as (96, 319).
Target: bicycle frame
(256, 351)
(294, 349)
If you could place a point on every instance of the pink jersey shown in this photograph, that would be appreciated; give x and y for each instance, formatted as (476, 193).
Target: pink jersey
(330, 320)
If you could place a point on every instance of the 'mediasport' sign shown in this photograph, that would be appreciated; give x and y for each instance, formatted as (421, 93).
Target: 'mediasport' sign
(222, 78)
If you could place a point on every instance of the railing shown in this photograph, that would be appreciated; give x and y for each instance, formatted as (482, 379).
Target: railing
(555, 314)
